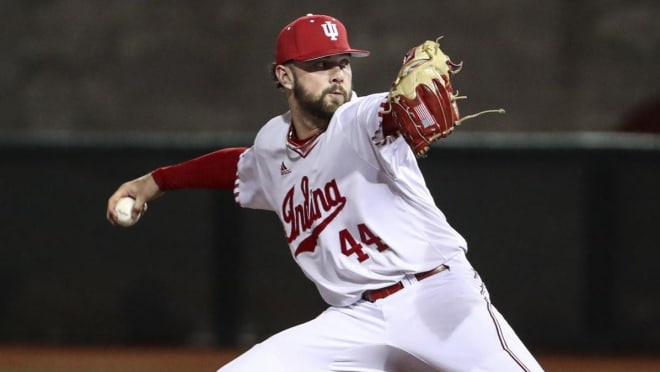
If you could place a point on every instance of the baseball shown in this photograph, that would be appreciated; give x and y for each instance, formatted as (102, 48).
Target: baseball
(124, 210)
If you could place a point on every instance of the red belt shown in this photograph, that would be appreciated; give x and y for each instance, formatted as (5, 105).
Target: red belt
(376, 294)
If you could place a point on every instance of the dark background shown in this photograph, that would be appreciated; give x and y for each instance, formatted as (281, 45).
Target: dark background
(559, 205)
(126, 66)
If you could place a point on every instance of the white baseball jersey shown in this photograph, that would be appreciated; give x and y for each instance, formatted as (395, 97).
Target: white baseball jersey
(340, 198)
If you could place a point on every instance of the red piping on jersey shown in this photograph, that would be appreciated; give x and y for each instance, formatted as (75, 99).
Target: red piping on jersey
(302, 147)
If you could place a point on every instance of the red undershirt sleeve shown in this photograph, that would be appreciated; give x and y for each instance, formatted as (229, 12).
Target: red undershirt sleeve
(215, 170)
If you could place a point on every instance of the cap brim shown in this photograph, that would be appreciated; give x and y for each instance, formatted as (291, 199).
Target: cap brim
(358, 53)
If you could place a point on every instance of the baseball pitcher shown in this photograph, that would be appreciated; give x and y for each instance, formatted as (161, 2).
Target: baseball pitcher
(341, 173)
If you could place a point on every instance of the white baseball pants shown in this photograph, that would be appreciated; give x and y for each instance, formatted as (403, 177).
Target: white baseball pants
(442, 323)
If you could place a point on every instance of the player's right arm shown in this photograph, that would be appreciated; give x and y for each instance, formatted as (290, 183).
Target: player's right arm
(142, 189)
(216, 170)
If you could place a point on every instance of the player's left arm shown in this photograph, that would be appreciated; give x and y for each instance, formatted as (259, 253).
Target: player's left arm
(422, 102)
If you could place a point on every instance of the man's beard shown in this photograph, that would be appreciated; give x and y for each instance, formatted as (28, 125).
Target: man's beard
(318, 106)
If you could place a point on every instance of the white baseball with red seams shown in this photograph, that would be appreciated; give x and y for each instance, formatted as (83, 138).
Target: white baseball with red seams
(124, 211)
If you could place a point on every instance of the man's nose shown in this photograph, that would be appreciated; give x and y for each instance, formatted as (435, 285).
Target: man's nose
(337, 74)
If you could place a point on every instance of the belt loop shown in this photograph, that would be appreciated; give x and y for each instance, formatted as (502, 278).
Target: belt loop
(376, 294)
(408, 280)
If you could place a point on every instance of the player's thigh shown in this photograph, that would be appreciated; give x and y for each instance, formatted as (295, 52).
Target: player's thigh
(378, 358)
(315, 345)
(255, 359)
(448, 321)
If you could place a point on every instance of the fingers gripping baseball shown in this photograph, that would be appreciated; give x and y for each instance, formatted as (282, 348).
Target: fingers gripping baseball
(129, 202)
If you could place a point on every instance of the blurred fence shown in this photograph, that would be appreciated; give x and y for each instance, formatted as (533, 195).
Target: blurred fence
(563, 228)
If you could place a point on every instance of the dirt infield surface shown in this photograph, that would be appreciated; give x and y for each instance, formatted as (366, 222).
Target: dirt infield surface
(87, 359)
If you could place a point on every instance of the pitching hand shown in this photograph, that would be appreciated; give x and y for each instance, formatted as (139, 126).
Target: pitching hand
(142, 189)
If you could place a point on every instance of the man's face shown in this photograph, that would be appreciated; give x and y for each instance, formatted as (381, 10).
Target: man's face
(322, 85)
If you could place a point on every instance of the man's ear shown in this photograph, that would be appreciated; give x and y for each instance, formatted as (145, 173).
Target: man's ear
(284, 76)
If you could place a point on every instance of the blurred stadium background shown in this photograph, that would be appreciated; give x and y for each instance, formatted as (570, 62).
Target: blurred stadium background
(559, 198)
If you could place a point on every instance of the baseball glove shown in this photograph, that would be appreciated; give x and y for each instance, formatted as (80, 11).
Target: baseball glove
(422, 102)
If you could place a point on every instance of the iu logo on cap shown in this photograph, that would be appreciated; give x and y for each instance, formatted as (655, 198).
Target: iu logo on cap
(330, 30)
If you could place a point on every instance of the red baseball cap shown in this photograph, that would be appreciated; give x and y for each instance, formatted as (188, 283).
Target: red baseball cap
(311, 37)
